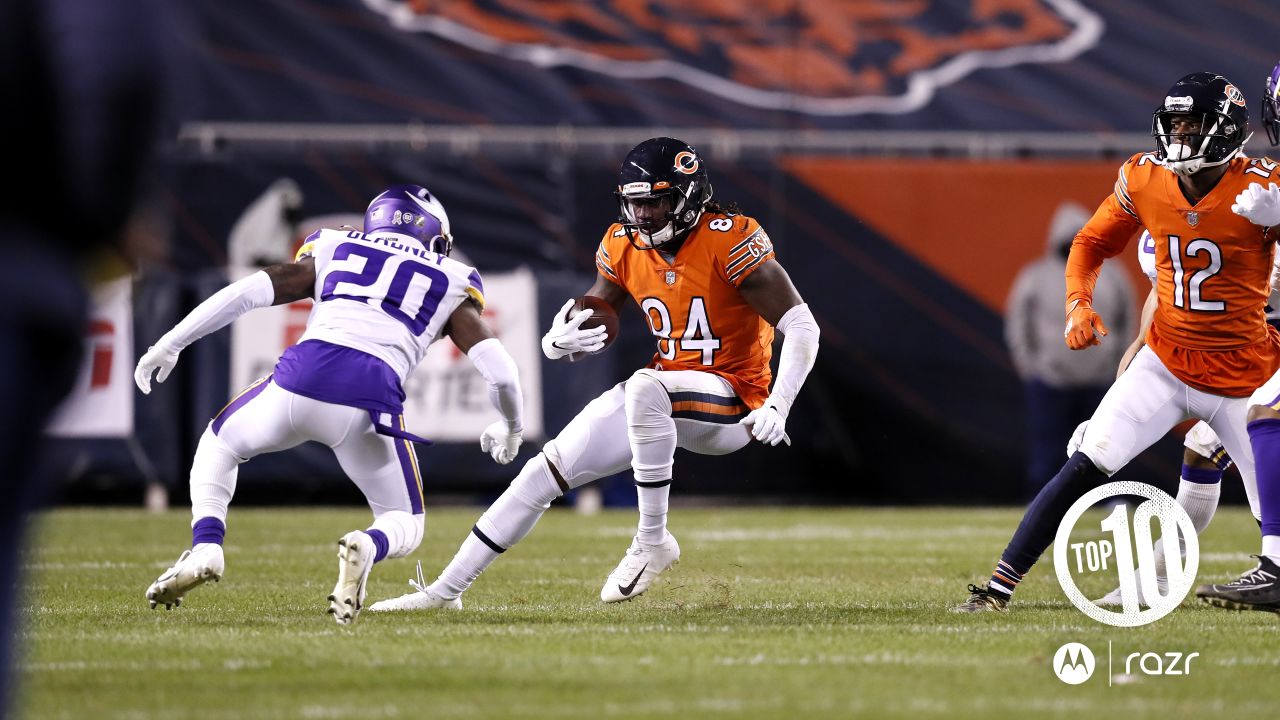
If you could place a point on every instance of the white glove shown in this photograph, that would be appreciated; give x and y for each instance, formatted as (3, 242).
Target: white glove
(565, 336)
(501, 444)
(1077, 437)
(1259, 206)
(767, 424)
(155, 358)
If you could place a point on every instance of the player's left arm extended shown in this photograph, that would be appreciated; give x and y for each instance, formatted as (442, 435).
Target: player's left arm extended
(276, 285)
(468, 330)
(769, 291)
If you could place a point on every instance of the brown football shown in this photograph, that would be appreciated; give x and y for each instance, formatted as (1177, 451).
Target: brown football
(602, 313)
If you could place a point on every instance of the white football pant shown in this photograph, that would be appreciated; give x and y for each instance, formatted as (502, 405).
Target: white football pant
(266, 418)
(1146, 402)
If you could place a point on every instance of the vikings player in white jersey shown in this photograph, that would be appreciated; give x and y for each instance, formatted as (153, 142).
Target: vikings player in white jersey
(382, 296)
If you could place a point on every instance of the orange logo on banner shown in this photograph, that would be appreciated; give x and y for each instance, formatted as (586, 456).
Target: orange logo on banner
(757, 53)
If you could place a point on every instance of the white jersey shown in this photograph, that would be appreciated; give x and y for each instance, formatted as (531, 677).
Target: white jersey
(384, 294)
(1147, 261)
(1147, 255)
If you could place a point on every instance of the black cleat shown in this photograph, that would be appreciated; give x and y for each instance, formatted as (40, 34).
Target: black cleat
(982, 599)
(1257, 589)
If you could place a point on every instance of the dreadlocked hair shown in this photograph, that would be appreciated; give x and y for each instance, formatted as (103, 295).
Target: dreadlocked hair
(714, 206)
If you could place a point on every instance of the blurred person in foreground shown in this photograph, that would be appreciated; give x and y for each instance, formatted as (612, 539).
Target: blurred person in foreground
(78, 136)
(383, 296)
(713, 292)
(1061, 388)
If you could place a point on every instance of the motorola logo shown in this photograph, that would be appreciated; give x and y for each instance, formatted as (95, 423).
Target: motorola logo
(1073, 663)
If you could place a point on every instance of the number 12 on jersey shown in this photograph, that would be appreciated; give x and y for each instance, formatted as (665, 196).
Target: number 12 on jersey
(697, 335)
(1189, 297)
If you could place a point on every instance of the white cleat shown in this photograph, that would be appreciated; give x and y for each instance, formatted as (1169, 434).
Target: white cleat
(194, 567)
(1112, 599)
(422, 598)
(639, 568)
(355, 559)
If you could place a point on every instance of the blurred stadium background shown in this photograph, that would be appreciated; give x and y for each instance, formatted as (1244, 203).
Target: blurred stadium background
(905, 157)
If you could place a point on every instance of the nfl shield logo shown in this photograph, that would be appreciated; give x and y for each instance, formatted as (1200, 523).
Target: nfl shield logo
(670, 277)
(1193, 219)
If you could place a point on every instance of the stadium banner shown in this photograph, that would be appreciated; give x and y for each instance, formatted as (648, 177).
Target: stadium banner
(447, 399)
(101, 403)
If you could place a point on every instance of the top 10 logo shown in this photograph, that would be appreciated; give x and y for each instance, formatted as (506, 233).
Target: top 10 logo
(1126, 555)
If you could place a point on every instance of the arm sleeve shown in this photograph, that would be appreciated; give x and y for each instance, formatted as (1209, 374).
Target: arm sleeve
(1104, 236)
(220, 310)
(499, 371)
(795, 360)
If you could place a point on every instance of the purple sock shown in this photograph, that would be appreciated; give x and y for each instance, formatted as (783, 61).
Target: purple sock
(1201, 476)
(1264, 435)
(208, 530)
(380, 542)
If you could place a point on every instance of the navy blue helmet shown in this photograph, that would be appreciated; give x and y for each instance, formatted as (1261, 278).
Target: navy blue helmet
(1220, 110)
(662, 190)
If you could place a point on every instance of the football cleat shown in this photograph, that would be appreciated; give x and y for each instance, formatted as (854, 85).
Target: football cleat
(1112, 599)
(355, 560)
(1256, 589)
(194, 567)
(423, 598)
(982, 600)
(639, 568)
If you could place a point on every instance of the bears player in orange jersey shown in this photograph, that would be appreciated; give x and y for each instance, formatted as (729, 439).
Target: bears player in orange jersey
(712, 291)
(1209, 345)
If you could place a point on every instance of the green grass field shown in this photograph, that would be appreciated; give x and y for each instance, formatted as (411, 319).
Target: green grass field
(771, 614)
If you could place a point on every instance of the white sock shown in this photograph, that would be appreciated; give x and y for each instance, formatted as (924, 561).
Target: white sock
(506, 522)
(1271, 547)
(652, 502)
(1200, 500)
(652, 433)
(471, 560)
(213, 477)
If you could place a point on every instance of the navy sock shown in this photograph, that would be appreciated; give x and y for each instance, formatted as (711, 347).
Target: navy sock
(1040, 522)
(208, 530)
(380, 542)
(1264, 436)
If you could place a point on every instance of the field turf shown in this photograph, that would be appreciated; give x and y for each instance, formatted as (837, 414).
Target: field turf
(792, 613)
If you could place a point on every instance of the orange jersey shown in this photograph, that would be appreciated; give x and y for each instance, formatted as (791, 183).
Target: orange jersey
(1213, 271)
(692, 303)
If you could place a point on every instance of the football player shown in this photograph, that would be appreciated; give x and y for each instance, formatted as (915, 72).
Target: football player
(1203, 459)
(708, 283)
(1209, 345)
(382, 296)
(1258, 588)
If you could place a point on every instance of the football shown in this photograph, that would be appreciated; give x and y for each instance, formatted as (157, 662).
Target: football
(602, 314)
